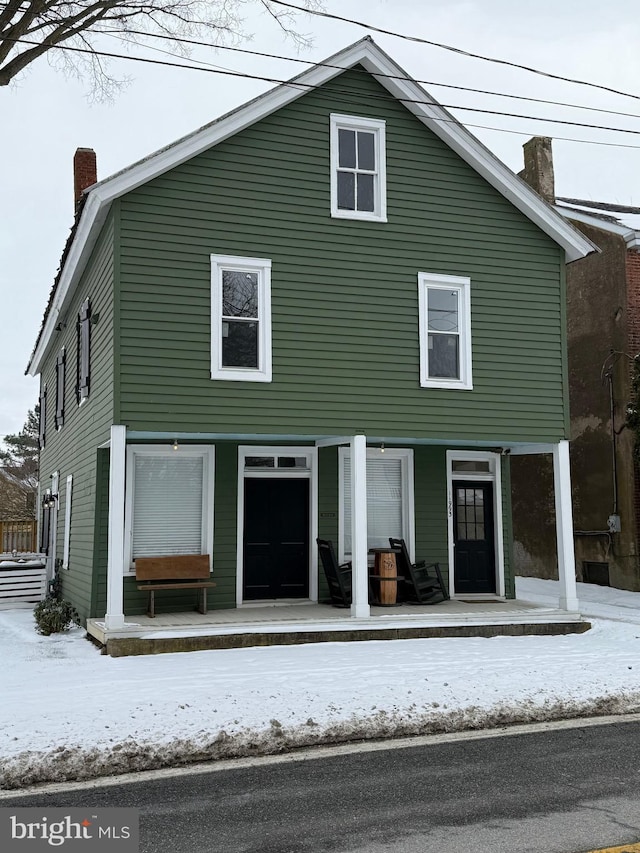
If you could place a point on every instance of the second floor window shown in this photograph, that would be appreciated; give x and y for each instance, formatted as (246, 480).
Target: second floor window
(445, 331)
(240, 318)
(358, 168)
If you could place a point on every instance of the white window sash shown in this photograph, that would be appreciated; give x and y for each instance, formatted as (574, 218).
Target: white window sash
(378, 128)
(262, 267)
(67, 522)
(461, 284)
(407, 500)
(206, 454)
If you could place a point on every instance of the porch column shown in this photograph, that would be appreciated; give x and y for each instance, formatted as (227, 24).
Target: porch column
(564, 526)
(360, 573)
(114, 617)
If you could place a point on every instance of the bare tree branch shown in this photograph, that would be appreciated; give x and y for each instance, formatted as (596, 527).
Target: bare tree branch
(55, 24)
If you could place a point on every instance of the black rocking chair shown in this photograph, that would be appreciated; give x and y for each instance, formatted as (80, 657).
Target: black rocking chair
(338, 576)
(420, 584)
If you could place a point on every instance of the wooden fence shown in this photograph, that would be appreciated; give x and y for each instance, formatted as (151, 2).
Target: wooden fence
(23, 582)
(18, 536)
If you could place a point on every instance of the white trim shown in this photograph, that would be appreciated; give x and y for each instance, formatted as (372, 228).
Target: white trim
(359, 560)
(261, 266)
(405, 454)
(494, 476)
(333, 442)
(310, 474)
(371, 125)
(204, 451)
(114, 617)
(67, 521)
(374, 60)
(631, 236)
(461, 284)
(564, 527)
(53, 526)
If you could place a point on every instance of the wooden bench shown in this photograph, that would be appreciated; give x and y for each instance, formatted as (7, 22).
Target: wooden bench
(183, 572)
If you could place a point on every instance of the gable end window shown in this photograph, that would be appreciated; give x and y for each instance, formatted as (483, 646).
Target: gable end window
(84, 351)
(240, 318)
(43, 417)
(60, 377)
(445, 331)
(358, 168)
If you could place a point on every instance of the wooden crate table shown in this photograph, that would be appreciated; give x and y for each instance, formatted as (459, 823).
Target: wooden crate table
(385, 572)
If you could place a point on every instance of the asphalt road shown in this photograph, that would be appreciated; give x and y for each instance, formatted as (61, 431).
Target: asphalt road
(559, 791)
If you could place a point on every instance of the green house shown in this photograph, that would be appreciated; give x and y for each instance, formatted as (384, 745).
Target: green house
(330, 313)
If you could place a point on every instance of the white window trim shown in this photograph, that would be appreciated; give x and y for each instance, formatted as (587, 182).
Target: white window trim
(408, 495)
(67, 522)
(462, 284)
(378, 127)
(311, 474)
(207, 452)
(494, 475)
(262, 266)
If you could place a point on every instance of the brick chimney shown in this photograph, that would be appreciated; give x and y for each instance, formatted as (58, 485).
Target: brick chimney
(538, 167)
(85, 171)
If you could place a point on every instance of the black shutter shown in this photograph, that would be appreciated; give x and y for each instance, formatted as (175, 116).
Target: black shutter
(45, 523)
(43, 416)
(60, 365)
(84, 350)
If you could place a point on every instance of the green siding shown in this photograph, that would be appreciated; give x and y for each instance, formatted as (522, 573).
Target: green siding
(72, 449)
(344, 302)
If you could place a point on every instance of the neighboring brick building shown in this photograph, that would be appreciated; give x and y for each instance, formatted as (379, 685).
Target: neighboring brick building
(603, 320)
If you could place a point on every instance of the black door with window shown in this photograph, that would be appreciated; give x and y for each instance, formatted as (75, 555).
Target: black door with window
(276, 538)
(474, 536)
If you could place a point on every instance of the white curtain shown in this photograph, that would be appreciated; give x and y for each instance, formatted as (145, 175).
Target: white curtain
(167, 505)
(384, 501)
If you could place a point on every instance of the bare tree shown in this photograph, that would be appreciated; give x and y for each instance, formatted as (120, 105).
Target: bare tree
(68, 31)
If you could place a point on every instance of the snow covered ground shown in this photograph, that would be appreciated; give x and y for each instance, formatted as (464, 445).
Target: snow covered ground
(70, 713)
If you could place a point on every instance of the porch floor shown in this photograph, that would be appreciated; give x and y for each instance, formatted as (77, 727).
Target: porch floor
(288, 624)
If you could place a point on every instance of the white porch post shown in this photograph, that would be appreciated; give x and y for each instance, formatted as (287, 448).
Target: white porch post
(564, 526)
(114, 617)
(360, 574)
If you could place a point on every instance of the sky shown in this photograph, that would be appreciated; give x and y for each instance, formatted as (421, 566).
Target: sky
(135, 713)
(46, 115)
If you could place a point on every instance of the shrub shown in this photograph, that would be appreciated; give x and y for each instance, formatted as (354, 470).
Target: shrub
(53, 615)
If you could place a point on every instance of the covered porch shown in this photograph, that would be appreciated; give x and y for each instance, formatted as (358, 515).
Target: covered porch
(316, 623)
(449, 477)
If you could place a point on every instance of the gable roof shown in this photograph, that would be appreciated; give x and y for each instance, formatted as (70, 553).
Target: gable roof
(626, 226)
(391, 76)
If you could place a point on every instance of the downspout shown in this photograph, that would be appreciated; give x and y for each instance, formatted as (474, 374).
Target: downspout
(614, 459)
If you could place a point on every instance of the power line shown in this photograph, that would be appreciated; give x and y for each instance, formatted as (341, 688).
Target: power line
(343, 92)
(402, 78)
(457, 50)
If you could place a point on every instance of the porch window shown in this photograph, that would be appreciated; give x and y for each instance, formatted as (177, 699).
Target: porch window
(240, 318)
(169, 501)
(445, 331)
(390, 503)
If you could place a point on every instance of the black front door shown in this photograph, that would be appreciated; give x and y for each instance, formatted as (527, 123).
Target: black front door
(276, 538)
(474, 537)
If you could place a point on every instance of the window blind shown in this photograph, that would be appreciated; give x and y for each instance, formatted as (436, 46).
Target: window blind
(167, 505)
(384, 502)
